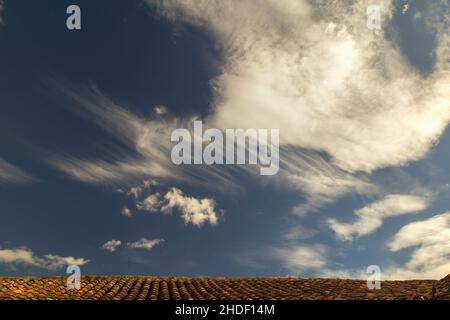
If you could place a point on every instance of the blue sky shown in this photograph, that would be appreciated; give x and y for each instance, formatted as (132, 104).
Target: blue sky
(86, 118)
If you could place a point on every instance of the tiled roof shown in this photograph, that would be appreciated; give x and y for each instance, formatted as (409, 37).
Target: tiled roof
(161, 288)
(441, 290)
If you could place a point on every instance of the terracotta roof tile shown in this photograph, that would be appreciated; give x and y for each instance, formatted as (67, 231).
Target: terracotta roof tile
(441, 289)
(170, 288)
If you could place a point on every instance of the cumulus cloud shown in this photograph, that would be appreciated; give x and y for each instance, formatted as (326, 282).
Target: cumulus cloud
(430, 240)
(126, 212)
(405, 8)
(152, 203)
(111, 245)
(370, 217)
(136, 191)
(145, 244)
(24, 256)
(12, 174)
(194, 211)
(160, 110)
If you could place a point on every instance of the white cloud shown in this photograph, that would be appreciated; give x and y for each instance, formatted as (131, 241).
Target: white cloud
(12, 174)
(136, 191)
(314, 70)
(430, 257)
(194, 211)
(111, 245)
(142, 135)
(301, 258)
(53, 262)
(148, 137)
(152, 203)
(370, 217)
(346, 99)
(145, 244)
(160, 110)
(126, 212)
(25, 256)
(317, 73)
(319, 180)
(405, 8)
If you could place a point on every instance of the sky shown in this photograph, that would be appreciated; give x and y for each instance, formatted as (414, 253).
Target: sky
(86, 118)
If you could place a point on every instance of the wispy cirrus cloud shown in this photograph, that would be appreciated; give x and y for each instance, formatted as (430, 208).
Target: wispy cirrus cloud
(24, 256)
(319, 180)
(148, 137)
(10, 173)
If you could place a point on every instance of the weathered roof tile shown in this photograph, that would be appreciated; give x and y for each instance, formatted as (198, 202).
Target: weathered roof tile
(170, 288)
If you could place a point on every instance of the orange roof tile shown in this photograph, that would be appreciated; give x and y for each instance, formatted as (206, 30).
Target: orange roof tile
(171, 288)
